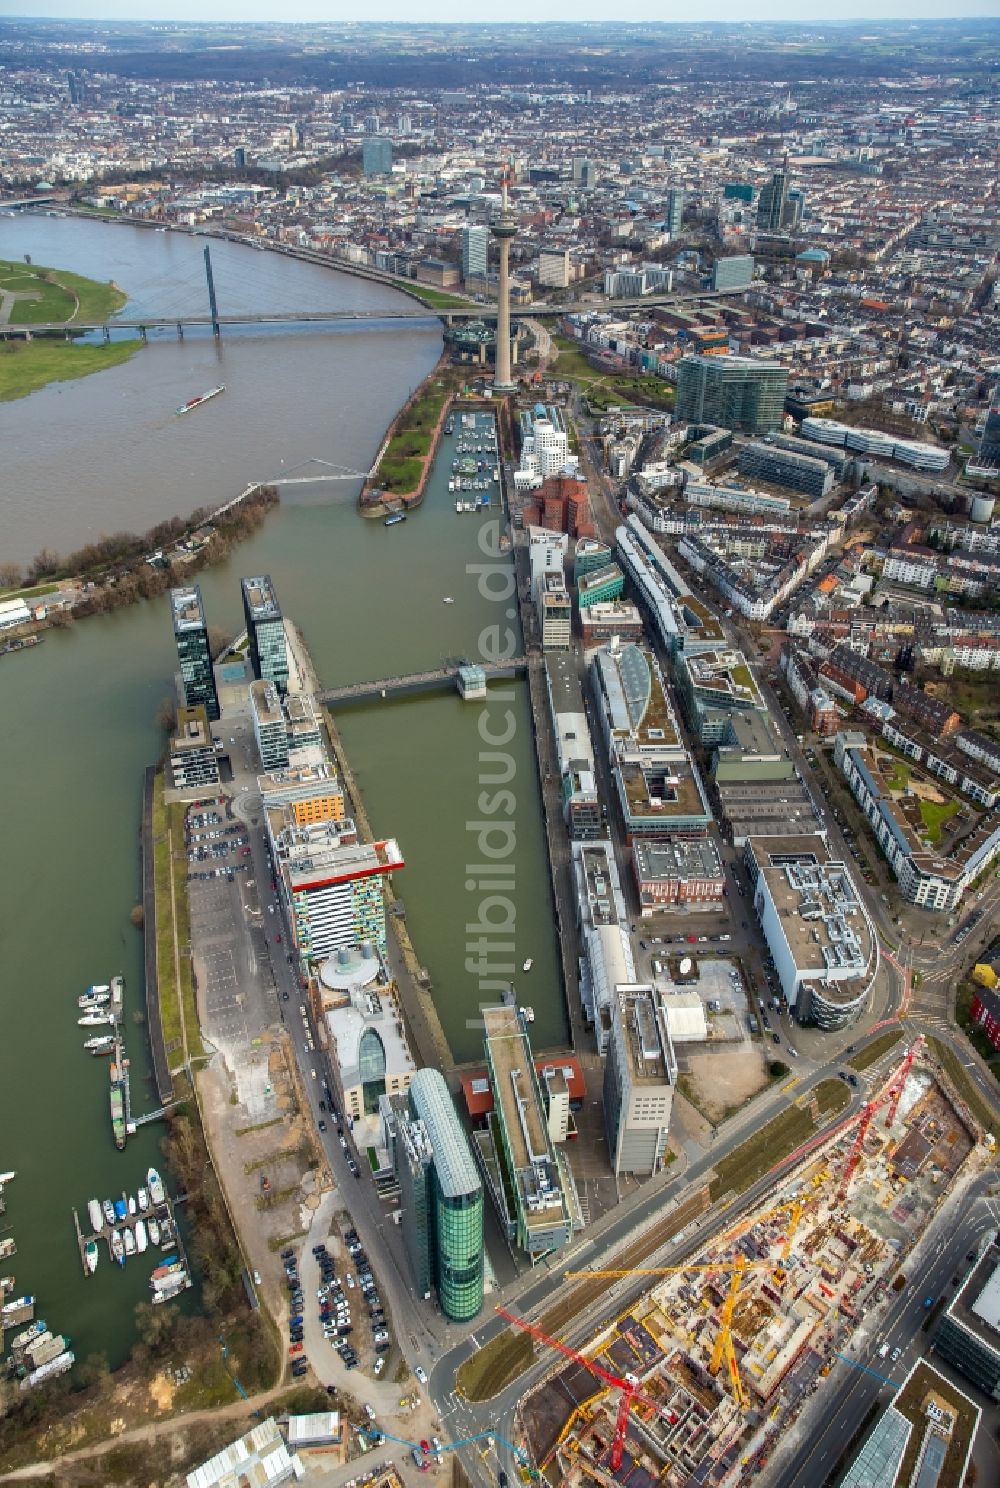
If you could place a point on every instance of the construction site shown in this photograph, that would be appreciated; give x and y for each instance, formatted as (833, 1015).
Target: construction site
(698, 1379)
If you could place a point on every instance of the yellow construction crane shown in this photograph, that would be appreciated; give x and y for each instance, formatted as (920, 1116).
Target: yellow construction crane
(723, 1349)
(797, 1211)
(724, 1338)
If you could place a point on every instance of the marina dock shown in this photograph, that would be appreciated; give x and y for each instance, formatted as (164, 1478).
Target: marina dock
(123, 1123)
(170, 1237)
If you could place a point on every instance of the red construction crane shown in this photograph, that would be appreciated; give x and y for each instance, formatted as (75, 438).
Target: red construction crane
(854, 1156)
(899, 1080)
(891, 1092)
(627, 1384)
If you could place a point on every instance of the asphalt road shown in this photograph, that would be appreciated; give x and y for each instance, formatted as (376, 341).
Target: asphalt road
(850, 1390)
(424, 1336)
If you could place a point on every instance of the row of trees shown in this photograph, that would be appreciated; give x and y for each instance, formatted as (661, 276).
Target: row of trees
(120, 550)
(117, 565)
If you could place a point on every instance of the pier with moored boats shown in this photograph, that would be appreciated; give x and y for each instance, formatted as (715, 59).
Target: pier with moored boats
(129, 1226)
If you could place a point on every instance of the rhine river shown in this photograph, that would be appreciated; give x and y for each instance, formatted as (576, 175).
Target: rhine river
(76, 721)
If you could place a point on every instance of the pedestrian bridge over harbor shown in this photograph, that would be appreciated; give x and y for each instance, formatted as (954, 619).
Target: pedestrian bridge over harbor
(443, 676)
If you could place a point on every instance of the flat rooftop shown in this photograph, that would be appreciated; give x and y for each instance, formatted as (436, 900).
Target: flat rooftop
(517, 1097)
(661, 791)
(193, 731)
(563, 683)
(299, 780)
(819, 911)
(646, 1043)
(766, 807)
(187, 609)
(682, 858)
(724, 676)
(754, 736)
(262, 602)
(317, 855)
(266, 702)
(600, 884)
(977, 1305)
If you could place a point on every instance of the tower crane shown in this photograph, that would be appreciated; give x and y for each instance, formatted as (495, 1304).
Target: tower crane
(797, 1208)
(891, 1092)
(899, 1079)
(628, 1384)
(723, 1349)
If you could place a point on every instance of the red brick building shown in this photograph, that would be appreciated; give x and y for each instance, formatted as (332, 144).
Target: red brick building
(560, 504)
(985, 1010)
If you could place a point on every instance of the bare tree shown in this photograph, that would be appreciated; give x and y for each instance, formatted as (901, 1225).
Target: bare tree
(166, 715)
(10, 575)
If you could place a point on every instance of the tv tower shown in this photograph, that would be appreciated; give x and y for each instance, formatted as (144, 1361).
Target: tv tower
(504, 228)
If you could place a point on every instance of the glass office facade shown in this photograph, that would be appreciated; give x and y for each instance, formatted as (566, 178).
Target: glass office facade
(193, 653)
(442, 1196)
(266, 631)
(732, 392)
(459, 1247)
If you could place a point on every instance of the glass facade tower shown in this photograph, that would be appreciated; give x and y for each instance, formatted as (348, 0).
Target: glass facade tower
(771, 203)
(674, 215)
(442, 1196)
(266, 631)
(193, 652)
(475, 243)
(732, 392)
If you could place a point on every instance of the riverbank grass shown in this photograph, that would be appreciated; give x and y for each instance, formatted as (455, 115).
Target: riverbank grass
(406, 454)
(437, 299)
(44, 295)
(27, 366)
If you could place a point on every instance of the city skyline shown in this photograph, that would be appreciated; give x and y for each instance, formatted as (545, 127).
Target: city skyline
(559, 728)
(446, 12)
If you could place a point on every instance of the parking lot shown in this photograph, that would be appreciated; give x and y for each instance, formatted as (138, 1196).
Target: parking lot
(334, 1305)
(231, 959)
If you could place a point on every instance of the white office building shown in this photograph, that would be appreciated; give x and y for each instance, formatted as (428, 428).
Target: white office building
(640, 1072)
(606, 960)
(553, 268)
(817, 929)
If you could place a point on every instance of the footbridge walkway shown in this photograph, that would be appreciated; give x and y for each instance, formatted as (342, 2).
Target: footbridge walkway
(443, 676)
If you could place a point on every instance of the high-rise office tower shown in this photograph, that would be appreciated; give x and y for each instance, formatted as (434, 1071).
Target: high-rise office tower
(674, 215)
(771, 203)
(504, 229)
(266, 631)
(794, 205)
(734, 271)
(475, 243)
(376, 156)
(989, 443)
(442, 1196)
(640, 1072)
(732, 392)
(193, 652)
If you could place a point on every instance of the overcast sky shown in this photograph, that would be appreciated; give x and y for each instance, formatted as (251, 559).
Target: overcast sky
(511, 10)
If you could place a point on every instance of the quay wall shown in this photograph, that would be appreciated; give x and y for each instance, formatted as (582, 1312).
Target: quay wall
(154, 1024)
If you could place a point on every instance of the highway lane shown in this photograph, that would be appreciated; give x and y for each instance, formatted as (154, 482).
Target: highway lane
(844, 1399)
